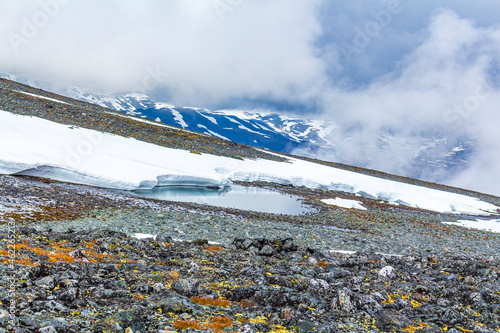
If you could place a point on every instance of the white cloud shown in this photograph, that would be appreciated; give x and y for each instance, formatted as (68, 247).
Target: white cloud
(441, 93)
(258, 48)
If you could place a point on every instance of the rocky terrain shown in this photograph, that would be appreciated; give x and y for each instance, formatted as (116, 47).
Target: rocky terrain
(100, 280)
(69, 264)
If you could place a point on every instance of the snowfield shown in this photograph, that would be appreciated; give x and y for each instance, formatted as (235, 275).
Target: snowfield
(37, 147)
(345, 203)
(489, 225)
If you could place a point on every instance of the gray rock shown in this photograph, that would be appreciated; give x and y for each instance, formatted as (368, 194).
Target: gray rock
(186, 287)
(3, 313)
(55, 306)
(252, 250)
(305, 326)
(246, 244)
(398, 304)
(143, 288)
(369, 304)
(47, 329)
(253, 274)
(318, 284)
(177, 305)
(388, 272)
(69, 295)
(288, 245)
(240, 293)
(267, 251)
(393, 321)
(344, 301)
(45, 282)
(159, 287)
(247, 329)
(335, 273)
(68, 275)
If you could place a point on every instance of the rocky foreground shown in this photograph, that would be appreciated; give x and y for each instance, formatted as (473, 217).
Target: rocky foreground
(105, 281)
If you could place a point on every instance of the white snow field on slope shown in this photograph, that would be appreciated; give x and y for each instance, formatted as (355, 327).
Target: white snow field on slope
(489, 225)
(37, 147)
(345, 203)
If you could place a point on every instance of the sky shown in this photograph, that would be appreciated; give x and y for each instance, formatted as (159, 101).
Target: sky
(404, 81)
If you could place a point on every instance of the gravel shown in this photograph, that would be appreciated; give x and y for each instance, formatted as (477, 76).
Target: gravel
(100, 280)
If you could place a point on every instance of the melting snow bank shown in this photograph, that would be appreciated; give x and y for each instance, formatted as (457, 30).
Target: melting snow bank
(143, 236)
(489, 225)
(40, 96)
(37, 147)
(346, 203)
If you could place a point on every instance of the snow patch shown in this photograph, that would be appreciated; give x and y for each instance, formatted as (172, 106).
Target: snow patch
(345, 203)
(178, 118)
(489, 225)
(212, 119)
(143, 236)
(212, 133)
(161, 105)
(42, 97)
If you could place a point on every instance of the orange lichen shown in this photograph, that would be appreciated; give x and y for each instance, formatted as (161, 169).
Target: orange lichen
(219, 323)
(58, 253)
(222, 321)
(90, 245)
(321, 263)
(209, 301)
(60, 257)
(184, 324)
(25, 262)
(58, 246)
(213, 248)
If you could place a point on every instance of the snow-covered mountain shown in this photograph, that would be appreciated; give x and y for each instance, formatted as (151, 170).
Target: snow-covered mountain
(427, 157)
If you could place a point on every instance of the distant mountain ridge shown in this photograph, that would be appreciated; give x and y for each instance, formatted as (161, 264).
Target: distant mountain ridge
(271, 131)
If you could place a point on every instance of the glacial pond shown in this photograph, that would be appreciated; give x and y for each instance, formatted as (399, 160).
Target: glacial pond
(234, 196)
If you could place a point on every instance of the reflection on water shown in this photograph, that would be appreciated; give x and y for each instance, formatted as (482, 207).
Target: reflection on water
(240, 197)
